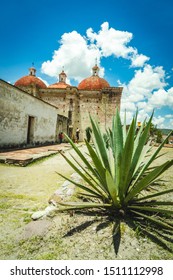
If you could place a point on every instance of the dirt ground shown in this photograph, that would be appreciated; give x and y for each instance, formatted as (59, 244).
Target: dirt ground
(25, 190)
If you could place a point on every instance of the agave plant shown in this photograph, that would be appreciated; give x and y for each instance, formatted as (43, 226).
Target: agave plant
(121, 180)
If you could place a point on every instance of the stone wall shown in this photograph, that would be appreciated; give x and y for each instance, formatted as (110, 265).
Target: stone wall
(78, 104)
(25, 119)
(101, 105)
(31, 89)
(59, 98)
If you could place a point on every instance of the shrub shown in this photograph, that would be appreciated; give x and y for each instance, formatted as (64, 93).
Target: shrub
(159, 137)
(88, 132)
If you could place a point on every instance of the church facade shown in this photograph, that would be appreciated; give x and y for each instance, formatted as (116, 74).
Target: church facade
(41, 112)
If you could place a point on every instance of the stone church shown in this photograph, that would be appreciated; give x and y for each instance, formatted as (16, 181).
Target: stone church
(34, 114)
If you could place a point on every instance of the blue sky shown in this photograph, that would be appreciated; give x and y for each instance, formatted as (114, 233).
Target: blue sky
(132, 40)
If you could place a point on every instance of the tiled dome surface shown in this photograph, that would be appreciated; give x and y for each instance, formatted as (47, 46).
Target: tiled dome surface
(59, 85)
(93, 83)
(30, 80)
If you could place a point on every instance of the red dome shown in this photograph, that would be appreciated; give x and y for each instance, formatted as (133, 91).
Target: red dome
(93, 83)
(30, 80)
(59, 85)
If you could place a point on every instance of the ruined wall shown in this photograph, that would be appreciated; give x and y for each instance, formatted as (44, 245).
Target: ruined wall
(56, 98)
(31, 89)
(25, 119)
(78, 104)
(59, 98)
(65, 100)
(101, 105)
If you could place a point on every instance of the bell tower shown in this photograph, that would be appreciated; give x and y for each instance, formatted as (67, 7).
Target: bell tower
(32, 70)
(95, 69)
(62, 76)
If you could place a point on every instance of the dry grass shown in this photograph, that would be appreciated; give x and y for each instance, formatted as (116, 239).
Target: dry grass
(25, 190)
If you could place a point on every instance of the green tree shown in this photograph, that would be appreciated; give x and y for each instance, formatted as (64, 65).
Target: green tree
(153, 130)
(159, 136)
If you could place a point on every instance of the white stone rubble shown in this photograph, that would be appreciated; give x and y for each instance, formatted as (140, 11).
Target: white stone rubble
(67, 189)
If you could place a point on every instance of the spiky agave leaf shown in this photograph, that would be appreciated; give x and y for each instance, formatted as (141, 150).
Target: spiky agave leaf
(146, 197)
(84, 205)
(154, 220)
(149, 161)
(117, 145)
(119, 175)
(112, 190)
(147, 180)
(126, 161)
(99, 144)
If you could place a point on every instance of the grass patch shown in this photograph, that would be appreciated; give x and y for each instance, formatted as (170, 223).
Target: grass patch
(5, 205)
(10, 195)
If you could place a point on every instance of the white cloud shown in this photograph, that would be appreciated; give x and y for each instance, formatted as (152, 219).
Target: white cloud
(111, 41)
(159, 121)
(77, 53)
(162, 98)
(138, 60)
(169, 116)
(171, 123)
(146, 92)
(142, 85)
(145, 81)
